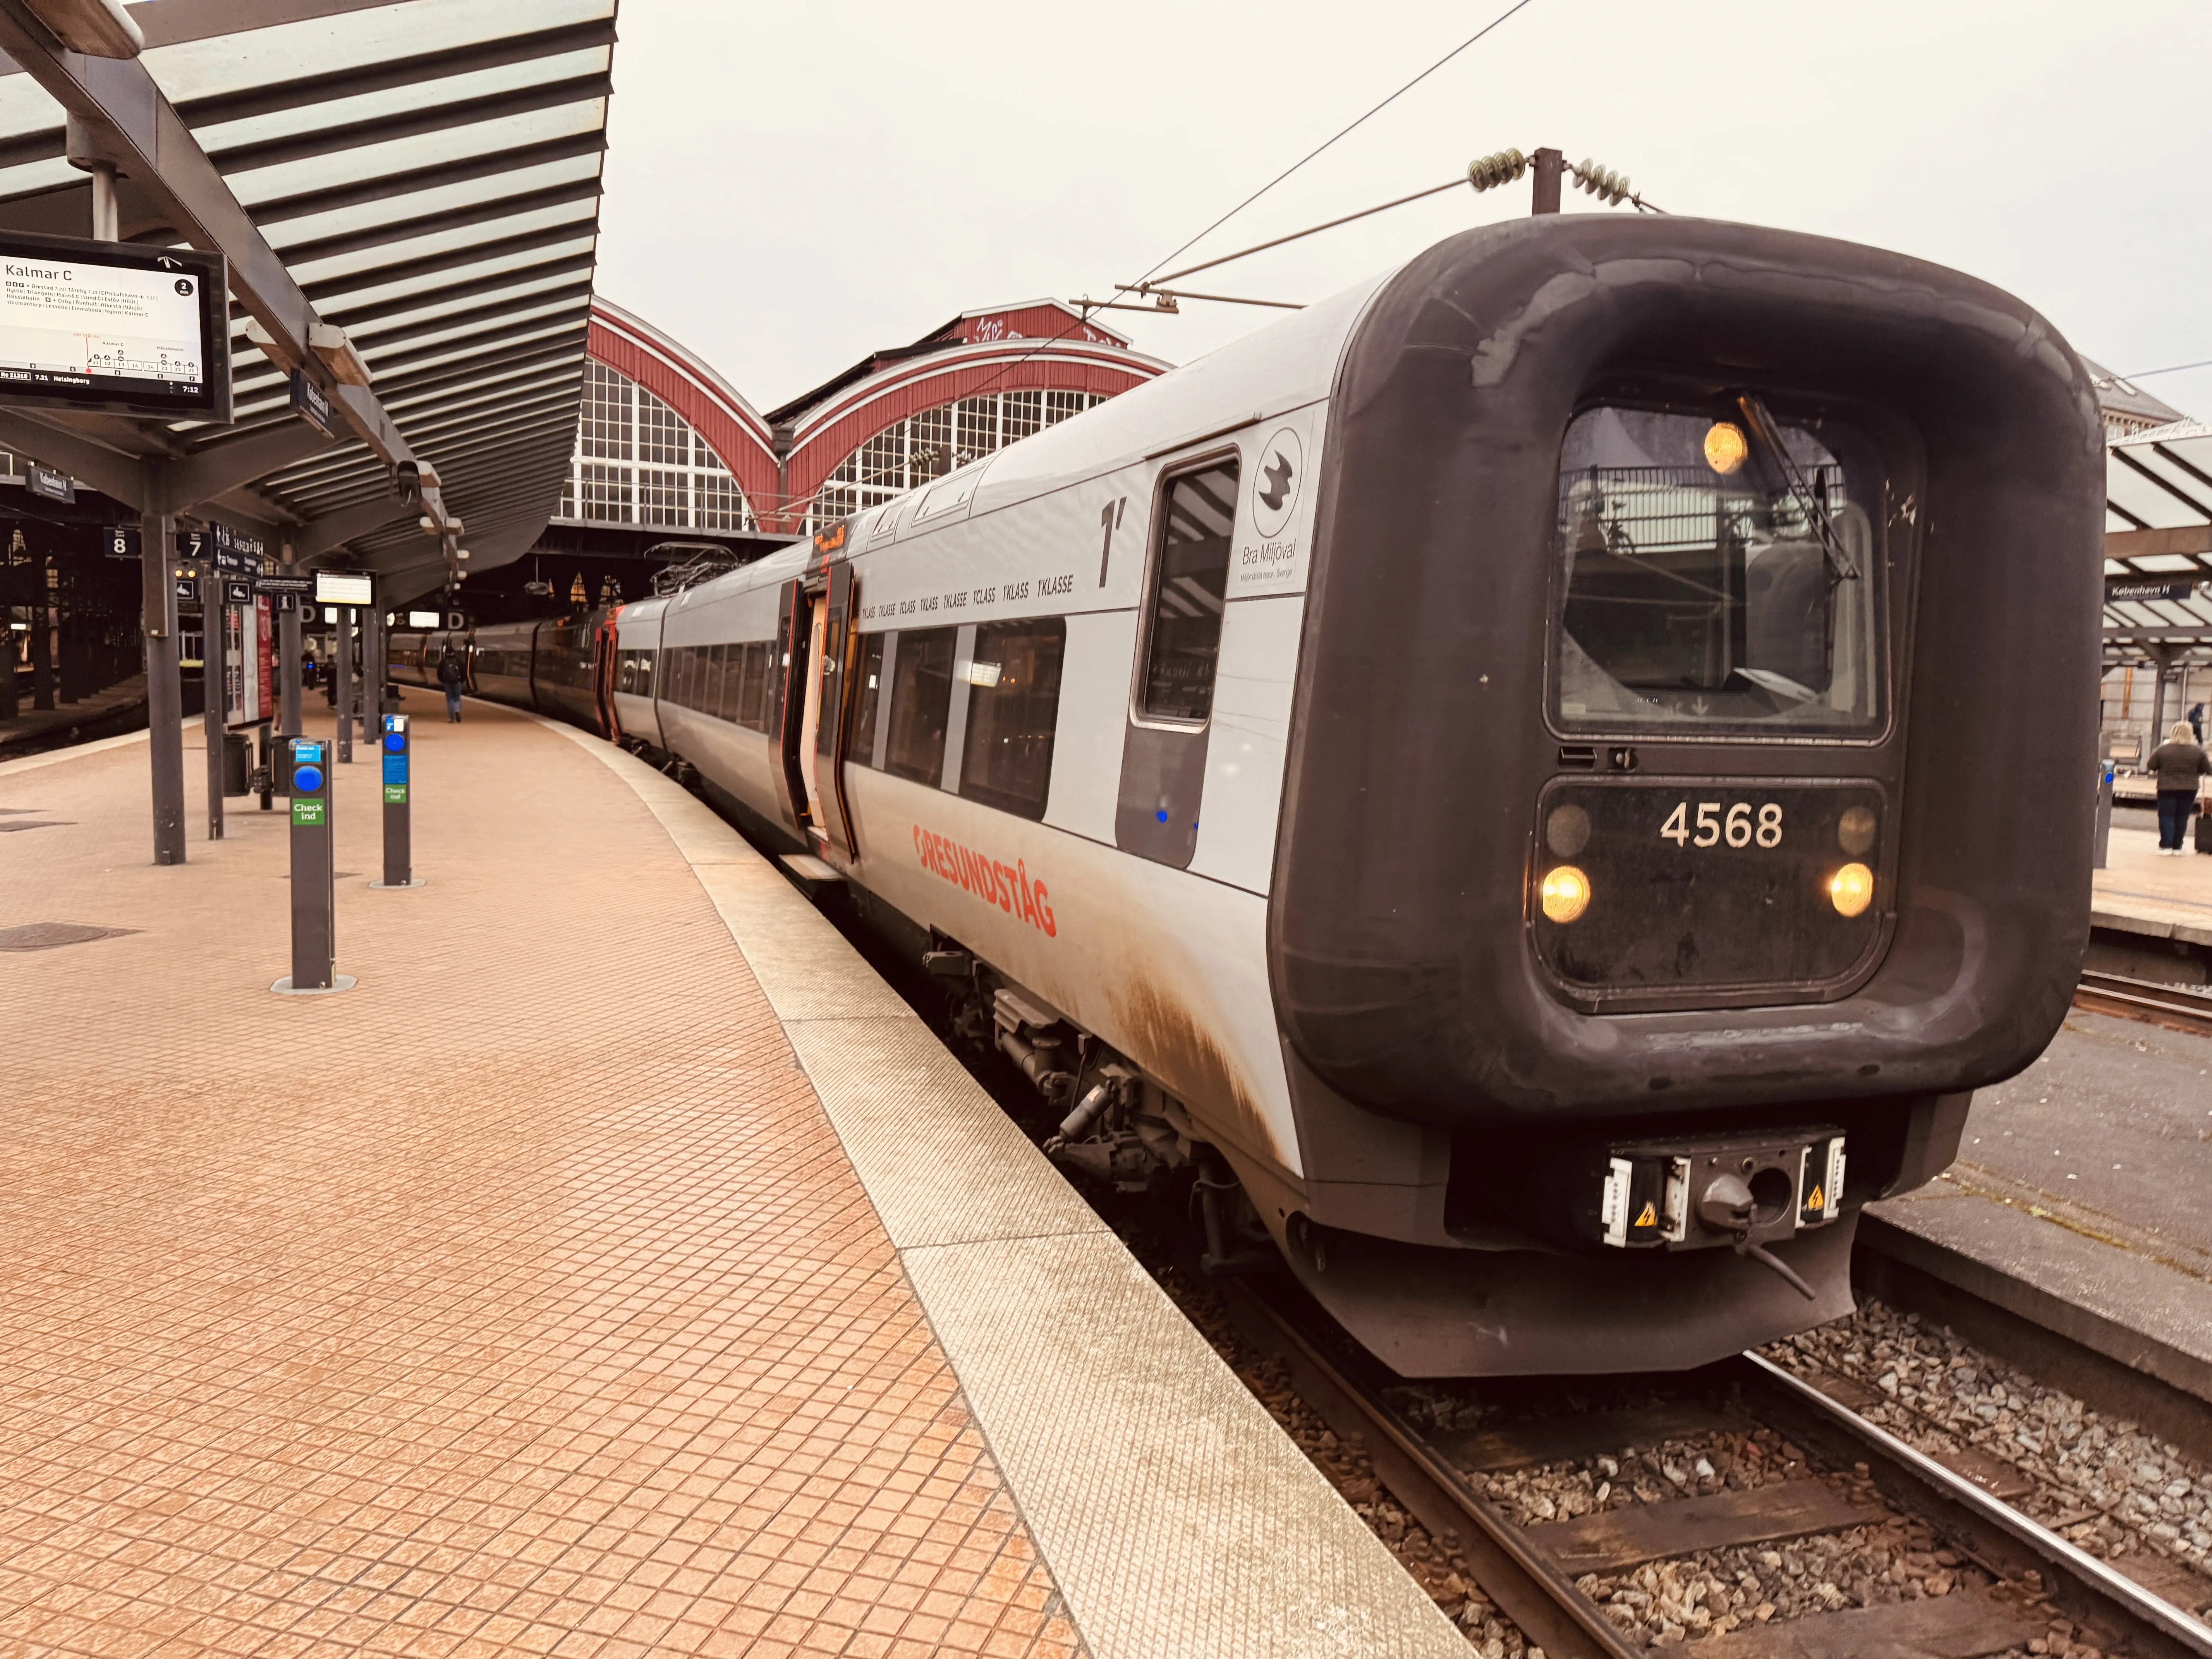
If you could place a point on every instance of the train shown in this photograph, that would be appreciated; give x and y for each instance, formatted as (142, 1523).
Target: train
(1529, 791)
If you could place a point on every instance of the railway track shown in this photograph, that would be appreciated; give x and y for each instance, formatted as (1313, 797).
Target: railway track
(2036, 1579)
(2175, 1006)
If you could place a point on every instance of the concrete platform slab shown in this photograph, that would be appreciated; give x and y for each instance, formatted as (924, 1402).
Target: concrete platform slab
(2077, 1203)
(2140, 892)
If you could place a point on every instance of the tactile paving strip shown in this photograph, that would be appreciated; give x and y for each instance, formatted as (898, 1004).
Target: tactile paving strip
(521, 1301)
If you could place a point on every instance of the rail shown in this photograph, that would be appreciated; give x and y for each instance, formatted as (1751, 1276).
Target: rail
(2176, 1006)
(1524, 1573)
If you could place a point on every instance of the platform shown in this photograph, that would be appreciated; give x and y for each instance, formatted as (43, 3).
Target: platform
(2139, 892)
(619, 1269)
(2077, 1201)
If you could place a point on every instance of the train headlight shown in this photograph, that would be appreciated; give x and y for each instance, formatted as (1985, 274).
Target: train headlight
(1566, 893)
(1851, 889)
(1725, 447)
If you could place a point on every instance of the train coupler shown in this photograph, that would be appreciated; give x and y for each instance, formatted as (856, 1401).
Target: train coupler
(1746, 1191)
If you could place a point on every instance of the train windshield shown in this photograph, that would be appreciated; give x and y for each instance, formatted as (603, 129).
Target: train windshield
(1720, 571)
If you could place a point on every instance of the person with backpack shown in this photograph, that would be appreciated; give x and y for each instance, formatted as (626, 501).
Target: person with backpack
(452, 674)
(2177, 765)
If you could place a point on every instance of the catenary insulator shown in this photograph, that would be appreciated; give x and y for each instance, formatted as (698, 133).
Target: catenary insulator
(1602, 181)
(1502, 168)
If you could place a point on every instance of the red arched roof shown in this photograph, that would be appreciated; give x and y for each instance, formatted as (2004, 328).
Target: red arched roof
(732, 428)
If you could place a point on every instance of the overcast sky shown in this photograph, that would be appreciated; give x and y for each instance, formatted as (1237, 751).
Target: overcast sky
(790, 185)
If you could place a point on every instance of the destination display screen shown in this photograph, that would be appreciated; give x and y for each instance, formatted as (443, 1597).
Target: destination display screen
(107, 326)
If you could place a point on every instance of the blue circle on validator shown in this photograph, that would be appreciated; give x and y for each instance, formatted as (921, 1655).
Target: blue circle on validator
(306, 780)
(393, 743)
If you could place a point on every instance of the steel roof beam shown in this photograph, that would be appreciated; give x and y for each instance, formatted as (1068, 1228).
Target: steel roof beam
(2167, 486)
(475, 254)
(2143, 544)
(411, 124)
(108, 471)
(396, 72)
(429, 224)
(567, 266)
(333, 530)
(219, 467)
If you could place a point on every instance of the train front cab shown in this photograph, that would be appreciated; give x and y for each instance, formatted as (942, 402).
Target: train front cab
(1697, 670)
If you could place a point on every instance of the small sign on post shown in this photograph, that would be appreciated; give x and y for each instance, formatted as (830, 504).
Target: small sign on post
(314, 875)
(312, 405)
(399, 825)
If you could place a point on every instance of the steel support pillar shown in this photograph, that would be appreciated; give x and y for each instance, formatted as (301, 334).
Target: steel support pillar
(213, 649)
(165, 726)
(342, 680)
(42, 643)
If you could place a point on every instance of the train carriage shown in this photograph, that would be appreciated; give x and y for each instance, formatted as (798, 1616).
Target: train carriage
(1530, 782)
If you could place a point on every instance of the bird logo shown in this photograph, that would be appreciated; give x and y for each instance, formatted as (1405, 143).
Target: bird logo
(1276, 490)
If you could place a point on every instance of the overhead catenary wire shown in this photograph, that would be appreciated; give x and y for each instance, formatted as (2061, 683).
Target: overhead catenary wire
(2171, 369)
(1145, 284)
(1493, 23)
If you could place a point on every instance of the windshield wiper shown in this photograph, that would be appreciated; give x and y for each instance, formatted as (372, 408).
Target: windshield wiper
(1761, 423)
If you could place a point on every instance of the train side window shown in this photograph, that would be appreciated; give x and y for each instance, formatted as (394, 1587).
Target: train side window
(626, 670)
(720, 697)
(1190, 581)
(1013, 706)
(921, 703)
(645, 660)
(868, 700)
(752, 659)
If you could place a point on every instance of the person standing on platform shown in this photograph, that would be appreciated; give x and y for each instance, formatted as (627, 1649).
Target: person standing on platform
(452, 674)
(2177, 763)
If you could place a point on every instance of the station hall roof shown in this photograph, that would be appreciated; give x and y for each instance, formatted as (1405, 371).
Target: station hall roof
(424, 175)
(2158, 543)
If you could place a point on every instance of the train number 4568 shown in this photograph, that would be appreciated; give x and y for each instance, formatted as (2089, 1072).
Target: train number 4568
(1736, 825)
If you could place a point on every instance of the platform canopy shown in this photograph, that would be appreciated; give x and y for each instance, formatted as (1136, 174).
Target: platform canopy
(408, 197)
(2158, 545)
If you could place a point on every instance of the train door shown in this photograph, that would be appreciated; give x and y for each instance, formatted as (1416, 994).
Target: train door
(605, 652)
(1178, 646)
(816, 630)
(834, 637)
(791, 697)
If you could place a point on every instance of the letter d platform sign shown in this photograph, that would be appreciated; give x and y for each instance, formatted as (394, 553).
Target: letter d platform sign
(314, 874)
(398, 827)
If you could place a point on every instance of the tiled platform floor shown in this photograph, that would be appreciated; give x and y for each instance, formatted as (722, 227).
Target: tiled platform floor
(519, 1301)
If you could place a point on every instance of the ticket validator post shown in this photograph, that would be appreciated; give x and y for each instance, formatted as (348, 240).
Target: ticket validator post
(314, 875)
(398, 827)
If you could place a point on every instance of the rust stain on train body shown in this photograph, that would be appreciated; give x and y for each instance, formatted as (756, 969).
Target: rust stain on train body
(1160, 1035)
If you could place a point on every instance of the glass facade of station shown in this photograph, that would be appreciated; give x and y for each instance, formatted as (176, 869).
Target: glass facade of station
(638, 462)
(934, 442)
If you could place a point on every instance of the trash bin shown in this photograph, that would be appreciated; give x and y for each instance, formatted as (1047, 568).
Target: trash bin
(237, 764)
